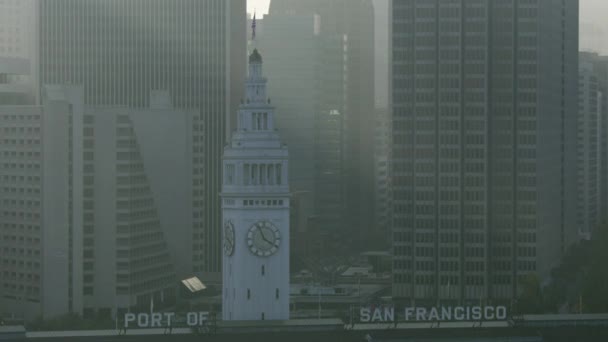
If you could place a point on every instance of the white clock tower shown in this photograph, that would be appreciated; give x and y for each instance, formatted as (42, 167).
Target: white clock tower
(255, 208)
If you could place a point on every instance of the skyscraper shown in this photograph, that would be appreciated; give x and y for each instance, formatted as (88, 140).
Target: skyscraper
(291, 55)
(381, 46)
(589, 152)
(121, 50)
(17, 86)
(382, 180)
(484, 145)
(16, 28)
(20, 217)
(593, 95)
(93, 220)
(320, 55)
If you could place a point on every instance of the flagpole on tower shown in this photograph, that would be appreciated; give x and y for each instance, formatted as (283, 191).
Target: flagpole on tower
(251, 44)
(253, 26)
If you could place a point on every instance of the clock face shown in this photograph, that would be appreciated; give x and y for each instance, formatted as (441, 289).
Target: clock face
(263, 239)
(228, 238)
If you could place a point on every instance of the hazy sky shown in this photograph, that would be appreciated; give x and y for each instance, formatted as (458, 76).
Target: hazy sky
(260, 6)
(594, 26)
(593, 22)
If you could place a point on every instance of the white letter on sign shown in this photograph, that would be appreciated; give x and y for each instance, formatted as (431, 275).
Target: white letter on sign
(143, 320)
(364, 315)
(202, 317)
(408, 313)
(156, 318)
(130, 317)
(191, 319)
(168, 317)
(501, 312)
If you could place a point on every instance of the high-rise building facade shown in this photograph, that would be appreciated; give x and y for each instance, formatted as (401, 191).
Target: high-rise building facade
(484, 105)
(122, 50)
(93, 219)
(381, 46)
(291, 54)
(593, 86)
(16, 28)
(292, 47)
(20, 217)
(16, 82)
(353, 23)
(321, 55)
(589, 152)
(382, 180)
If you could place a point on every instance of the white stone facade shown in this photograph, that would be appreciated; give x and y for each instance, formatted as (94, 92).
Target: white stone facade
(255, 206)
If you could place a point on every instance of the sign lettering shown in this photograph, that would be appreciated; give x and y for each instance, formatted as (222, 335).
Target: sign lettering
(434, 314)
(164, 319)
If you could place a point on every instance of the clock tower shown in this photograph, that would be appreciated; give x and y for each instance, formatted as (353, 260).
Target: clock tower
(255, 210)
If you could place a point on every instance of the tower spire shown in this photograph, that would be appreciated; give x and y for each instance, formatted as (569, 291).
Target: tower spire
(253, 26)
(256, 82)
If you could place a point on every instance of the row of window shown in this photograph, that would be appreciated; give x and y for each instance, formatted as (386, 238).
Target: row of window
(19, 118)
(430, 223)
(14, 154)
(21, 142)
(255, 174)
(249, 294)
(259, 121)
(425, 114)
(27, 265)
(450, 280)
(263, 202)
(32, 290)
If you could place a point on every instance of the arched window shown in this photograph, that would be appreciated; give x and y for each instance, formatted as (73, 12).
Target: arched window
(248, 294)
(276, 293)
(278, 173)
(263, 270)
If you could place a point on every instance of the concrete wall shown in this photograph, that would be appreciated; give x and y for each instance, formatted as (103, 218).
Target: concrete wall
(55, 228)
(165, 143)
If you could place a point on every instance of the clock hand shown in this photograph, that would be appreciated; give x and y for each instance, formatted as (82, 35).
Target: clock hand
(261, 232)
(265, 239)
(264, 236)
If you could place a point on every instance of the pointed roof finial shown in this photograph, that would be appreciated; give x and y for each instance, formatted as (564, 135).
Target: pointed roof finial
(253, 25)
(255, 57)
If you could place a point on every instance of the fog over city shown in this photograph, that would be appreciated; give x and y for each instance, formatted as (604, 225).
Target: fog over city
(593, 23)
(304, 170)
